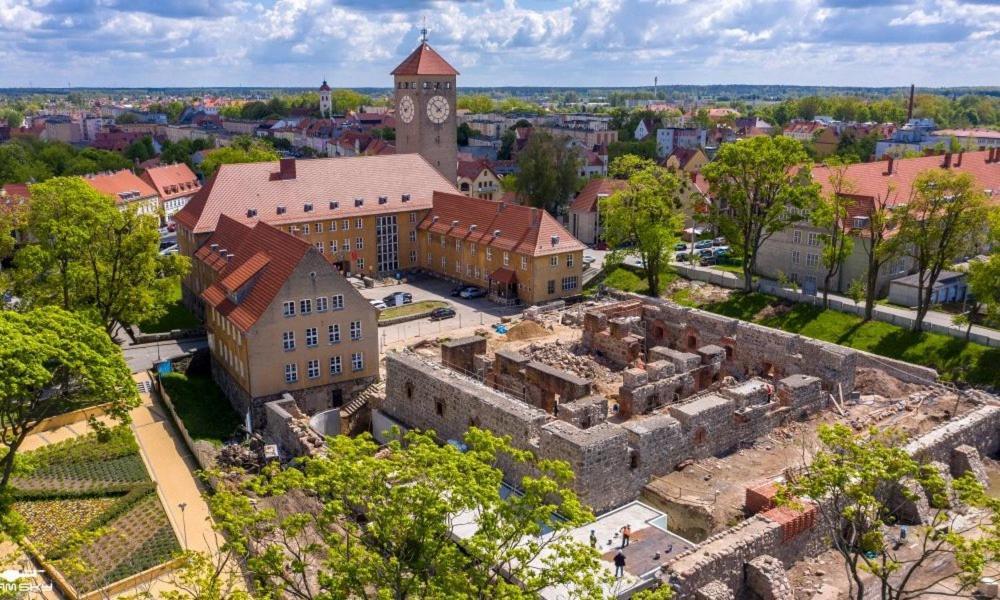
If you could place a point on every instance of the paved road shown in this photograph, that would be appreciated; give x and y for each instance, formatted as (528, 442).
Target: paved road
(141, 358)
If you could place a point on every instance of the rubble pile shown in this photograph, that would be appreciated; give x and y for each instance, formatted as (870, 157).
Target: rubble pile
(570, 357)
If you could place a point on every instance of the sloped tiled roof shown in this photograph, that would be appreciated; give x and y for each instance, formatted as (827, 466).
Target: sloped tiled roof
(264, 258)
(424, 61)
(172, 181)
(470, 169)
(119, 183)
(239, 187)
(228, 234)
(522, 229)
(586, 199)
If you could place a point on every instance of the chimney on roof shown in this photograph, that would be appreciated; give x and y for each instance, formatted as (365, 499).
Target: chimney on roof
(888, 165)
(535, 217)
(909, 109)
(947, 160)
(286, 168)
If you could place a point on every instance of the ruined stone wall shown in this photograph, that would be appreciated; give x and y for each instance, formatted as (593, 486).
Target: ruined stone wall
(286, 426)
(979, 429)
(460, 354)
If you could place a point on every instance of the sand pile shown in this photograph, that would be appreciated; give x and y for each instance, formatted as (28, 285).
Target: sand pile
(876, 381)
(526, 330)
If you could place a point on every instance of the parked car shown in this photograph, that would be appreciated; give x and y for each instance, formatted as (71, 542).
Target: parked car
(681, 257)
(588, 259)
(378, 304)
(473, 292)
(703, 244)
(680, 246)
(398, 299)
(719, 241)
(457, 290)
(171, 249)
(442, 313)
(706, 261)
(721, 251)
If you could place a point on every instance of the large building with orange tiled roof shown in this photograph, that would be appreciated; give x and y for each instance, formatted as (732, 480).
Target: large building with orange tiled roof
(796, 252)
(281, 319)
(127, 189)
(174, 183)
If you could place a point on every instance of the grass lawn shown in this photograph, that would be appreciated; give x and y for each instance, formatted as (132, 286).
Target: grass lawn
(206, 413)
(176, 317)
(414, 308)
(630, 279)
(731, 268)
(954, 359)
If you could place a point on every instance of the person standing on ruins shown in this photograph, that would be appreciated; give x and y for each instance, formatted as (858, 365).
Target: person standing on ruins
(619, 564)
(626, 534)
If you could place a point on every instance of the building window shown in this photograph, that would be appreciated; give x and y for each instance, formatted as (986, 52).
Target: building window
(288, 340)
(795, 257)
(413, 217)
(345, 246)
(413, 257)
(439, 407)
(321, 304)
(797, 237)
(489, 254)
(291, 373)
(355, 330)
(319, 246)
(333, 246)
(429, 258)
(524, 263)
(812, 260)
(359, 243)
(345, 224)
(305, 306)
(458, 266)
(359, 223)
(335, 366)
(569, 260)
(506, 259)
(569, 283)
(472, 249)
(793, 277)
(305, 229)
(337, 301)
(444, 263)
(312, 338)
(458, 245)
(554, 261)
(413, 235)
(333, 332)
(813, 239)
(312, 369)
(552, 286)
(288, 308)
(443, 242)
(361, 264)
(319, 227)
(357, 361)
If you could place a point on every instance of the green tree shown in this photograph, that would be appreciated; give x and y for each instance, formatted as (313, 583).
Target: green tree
(944, 220)
(759, 186)
(140, 150)
(18, 165)
(860, 482)
(380, 523)
(548, 172)
(984, 289)
(242, 150)
(627, 165)
(643, 220)
(346, 100)
(645, 148)
(92, 258)
(464, 132)
(831, 216)
(475, 103)
(506, 144)
(49, 359)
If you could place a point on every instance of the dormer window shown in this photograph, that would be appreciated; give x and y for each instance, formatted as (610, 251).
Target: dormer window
(308, 207)
(383, 199)
(281, 210)
(251, 213)
(334, 205)
(359, 202)
(406, 198)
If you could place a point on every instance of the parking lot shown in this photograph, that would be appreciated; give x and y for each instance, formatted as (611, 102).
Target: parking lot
(479, 311)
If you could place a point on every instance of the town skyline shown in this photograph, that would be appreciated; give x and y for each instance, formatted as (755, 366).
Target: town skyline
(514, 43)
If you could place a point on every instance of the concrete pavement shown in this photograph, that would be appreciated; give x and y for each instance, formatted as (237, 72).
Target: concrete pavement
(141, 358)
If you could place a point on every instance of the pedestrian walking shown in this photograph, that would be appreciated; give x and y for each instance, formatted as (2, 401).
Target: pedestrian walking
(626, 534)
(619, 564)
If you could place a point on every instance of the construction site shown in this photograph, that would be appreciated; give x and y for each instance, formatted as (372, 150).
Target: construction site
(695, 414)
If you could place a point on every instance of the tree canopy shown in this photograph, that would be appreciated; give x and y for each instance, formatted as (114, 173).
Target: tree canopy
(759, 186)
(50, 359)
(548, 172)
(243, 150)
(382, 523)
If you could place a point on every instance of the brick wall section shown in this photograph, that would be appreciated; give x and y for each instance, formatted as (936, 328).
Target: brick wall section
(979, 429)
(460, 354)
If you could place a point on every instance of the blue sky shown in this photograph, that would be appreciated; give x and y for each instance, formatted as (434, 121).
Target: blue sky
(500, 42)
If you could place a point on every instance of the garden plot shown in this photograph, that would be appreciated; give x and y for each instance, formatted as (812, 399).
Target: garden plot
(92, 511)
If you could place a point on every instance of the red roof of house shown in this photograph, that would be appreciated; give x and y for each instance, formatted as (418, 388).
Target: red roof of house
(124, 186)
(683, 155)
(228, 234)
(586, 199)
(424, 61)
(522, 229)
(13, 196)
(172, 181)
(470, 169)
(870, 180)
(237, 188)
(264, 257)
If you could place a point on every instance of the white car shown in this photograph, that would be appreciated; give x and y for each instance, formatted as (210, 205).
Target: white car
(588, 259)
(378, 304)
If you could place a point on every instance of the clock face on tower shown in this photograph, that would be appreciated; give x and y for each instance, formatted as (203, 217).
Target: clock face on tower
(438, 109)
(406, 109)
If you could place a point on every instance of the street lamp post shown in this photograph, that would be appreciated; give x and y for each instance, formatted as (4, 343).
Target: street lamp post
(182, 506)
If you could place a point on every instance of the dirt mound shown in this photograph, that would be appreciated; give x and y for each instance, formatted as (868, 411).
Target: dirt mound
(773, 310)
(876, 381)
(526, 330)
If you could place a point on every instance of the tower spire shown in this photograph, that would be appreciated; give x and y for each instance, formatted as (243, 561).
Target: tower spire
(423, 32)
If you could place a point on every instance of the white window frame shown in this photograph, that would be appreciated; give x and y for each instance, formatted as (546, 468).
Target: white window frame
(288, 308)
(333, 333)
(357, 361)
(336, 365)
(312, 337)
(355, 331)
(337, 302)
(288, 341)
(291, 372)
(312, 369)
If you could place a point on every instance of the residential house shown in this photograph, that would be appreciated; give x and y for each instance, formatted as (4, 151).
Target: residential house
(720, 114)
(951, 286)
(593, 164)
(687, 160)
(971, 139)
(913, 138)
(127, 190)
(62, 128)
(281, 319)
(752, 126)
(115, 139)
(174, 183)
(644, 128)
(477, 179)
(668, 138)
(584, 211)
(822, 138)
(518, 253)
(797, 251)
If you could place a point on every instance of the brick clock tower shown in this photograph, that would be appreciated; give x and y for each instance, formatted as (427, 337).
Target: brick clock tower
(425, 108)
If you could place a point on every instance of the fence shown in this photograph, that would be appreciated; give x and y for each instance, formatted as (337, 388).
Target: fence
(414, 329)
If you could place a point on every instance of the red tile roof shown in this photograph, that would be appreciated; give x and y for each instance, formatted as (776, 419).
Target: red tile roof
(237, 188)
(470, 169)
(265, 257)
(172, 181)
(522, 229)
(869, 180)
(228, 234)
(13, 196)
(586, 199)
(424, 61)
(121, 186)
